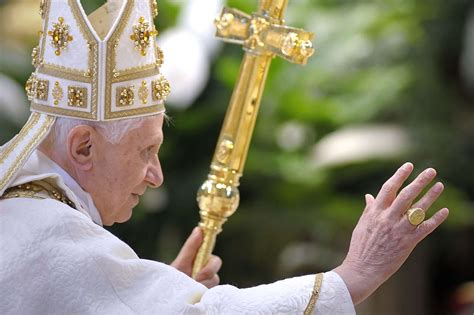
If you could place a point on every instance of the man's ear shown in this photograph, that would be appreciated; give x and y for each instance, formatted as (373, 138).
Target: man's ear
(79, 146)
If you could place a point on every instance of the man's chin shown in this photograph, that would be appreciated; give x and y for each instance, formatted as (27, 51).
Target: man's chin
(125, 215)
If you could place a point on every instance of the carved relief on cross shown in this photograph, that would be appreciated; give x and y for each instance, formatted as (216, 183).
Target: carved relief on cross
(262, 34)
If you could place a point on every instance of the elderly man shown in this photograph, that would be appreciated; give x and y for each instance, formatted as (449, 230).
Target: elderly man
(90, 150)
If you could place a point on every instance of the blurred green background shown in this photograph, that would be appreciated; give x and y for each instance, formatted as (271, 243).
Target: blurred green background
(391, 81)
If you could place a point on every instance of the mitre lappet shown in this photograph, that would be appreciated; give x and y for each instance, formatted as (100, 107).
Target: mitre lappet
(101, 67)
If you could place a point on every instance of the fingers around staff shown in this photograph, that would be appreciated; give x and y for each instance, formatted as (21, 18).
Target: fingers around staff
(211, 282)
(210, 270)
(425, 228)
(390, 188)
(409, 193)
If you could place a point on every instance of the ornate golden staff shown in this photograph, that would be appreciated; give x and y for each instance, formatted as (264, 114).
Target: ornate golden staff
(263, 36)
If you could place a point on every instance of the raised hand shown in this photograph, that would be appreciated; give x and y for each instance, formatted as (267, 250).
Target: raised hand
(384, 237)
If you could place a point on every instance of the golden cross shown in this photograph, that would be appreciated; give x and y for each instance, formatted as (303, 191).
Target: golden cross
(264, 33)
(263, 36)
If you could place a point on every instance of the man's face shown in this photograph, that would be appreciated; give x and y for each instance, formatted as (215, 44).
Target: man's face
(122, 172)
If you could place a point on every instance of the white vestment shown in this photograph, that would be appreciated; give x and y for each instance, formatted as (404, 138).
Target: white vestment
(58, 260)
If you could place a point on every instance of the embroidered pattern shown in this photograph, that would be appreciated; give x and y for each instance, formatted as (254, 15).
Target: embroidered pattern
(143, 92)
(35, 57)
(160, 89)
(125, 96)
(60, 36)
(77, 96)
(154, 8)
(42, 89)
(160, 57)
(42, 8)
(57, 93)
(143, 35)
(30, 87)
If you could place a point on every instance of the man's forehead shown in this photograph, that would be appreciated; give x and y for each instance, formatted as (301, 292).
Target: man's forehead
(152, 128)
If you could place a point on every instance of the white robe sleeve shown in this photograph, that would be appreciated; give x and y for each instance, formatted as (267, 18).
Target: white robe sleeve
(57, 261)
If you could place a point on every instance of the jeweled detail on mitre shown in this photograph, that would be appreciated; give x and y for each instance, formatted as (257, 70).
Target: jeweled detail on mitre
(143, 35)
(42, 89)
(143, 92)
(77, 96)
(125, 96)
(154, 8)
(60, 36)
(160, 89)
(57, 93)
(30, 87)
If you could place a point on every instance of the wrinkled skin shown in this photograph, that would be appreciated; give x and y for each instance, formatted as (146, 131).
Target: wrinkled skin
(384, 238)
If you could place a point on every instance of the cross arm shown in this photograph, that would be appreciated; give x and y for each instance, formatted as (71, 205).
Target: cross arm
(261, 35)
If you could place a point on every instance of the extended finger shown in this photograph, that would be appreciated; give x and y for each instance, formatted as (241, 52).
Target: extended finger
(389, 189)
(430, 197)
(210, 269)
(409, 193)
(425, 228)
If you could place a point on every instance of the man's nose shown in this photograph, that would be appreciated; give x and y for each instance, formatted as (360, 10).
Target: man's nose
(154, 176)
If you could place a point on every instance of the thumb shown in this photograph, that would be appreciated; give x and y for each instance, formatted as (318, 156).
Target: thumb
(369, 199)
(189, 250)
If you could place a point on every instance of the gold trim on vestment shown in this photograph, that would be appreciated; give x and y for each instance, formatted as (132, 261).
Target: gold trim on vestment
(25, 153)
(318, 281)
(37, 190)
(27, 127)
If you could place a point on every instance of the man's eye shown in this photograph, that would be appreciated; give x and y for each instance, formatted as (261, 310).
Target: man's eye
(153, 150)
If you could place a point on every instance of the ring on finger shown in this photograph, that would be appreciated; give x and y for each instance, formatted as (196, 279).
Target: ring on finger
(415, 216)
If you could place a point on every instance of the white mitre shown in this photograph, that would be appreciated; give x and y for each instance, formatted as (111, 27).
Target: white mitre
(100, 68)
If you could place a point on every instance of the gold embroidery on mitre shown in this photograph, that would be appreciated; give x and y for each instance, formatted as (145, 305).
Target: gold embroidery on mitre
(35, 57)
(143, 92)
(42, 8)
(30, 87)
(160, 89)
(42, 89)
(125, 96)
(154, 8)
(57, 93)
(160, 56)
(77, 96)
(60, 36)
(143, 35)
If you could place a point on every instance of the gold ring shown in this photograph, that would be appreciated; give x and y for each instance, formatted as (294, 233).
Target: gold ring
(415, 216)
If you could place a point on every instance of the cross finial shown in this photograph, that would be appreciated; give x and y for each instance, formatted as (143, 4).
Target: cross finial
(263, 33)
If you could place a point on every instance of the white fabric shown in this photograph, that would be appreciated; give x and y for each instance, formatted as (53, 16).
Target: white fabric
(127, 56)
(75, 56)
(56, 260)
